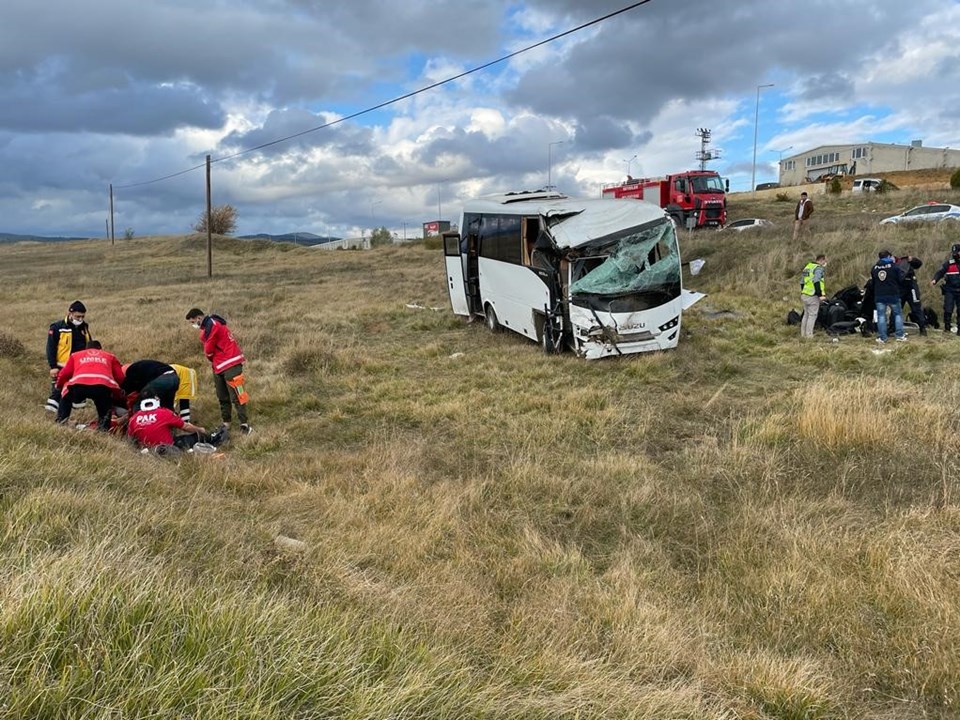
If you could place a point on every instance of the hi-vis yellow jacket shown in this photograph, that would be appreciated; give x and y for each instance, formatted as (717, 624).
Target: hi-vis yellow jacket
(188, 383)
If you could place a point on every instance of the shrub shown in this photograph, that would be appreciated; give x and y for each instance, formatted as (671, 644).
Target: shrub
(885, 186)
(223, 220)
(782, 197)
(11, 347)
(835, 188)
(955, 179)
(128, 234)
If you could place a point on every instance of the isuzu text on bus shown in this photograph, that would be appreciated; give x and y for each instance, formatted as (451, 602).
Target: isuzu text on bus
(599, 276)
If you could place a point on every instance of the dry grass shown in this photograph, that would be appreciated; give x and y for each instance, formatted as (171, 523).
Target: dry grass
(746, 527)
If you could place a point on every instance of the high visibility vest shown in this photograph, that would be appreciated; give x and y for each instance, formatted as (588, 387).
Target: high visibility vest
(806, 282)
(187, 390)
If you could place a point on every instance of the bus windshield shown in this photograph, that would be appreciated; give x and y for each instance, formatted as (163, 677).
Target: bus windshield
(641, 259)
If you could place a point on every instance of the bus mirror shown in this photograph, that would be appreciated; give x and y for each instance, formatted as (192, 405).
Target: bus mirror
(726, 184)
(451, 243)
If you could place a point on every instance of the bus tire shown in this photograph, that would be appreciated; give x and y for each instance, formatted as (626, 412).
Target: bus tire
(491, 317)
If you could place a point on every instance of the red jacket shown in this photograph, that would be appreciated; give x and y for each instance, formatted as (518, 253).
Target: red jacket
(219, 345)
(91, 367)
(153, 427)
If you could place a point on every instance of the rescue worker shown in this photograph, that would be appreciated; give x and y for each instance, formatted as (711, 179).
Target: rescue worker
(949, 272)
(910, 290)
(812, 294)
(91, 374)
(887, 279)
(152, 377)
(157, 377)
(186, 390)
(64, 338)
(153, 425)
(226, 358)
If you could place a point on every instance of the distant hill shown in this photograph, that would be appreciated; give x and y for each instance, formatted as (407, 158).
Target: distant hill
(12, 238)
(300, 238)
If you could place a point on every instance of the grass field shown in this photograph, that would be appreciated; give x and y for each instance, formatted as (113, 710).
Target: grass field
(745, 527)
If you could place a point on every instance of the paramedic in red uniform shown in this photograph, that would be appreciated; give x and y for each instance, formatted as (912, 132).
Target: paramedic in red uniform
(153, 425)
(227, 360)
(91, 374)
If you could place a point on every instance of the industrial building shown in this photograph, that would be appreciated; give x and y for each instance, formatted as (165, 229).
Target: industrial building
(867, 158)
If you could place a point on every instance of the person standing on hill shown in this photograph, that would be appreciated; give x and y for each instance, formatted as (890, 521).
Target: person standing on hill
(64, 338)
(910, 291)
(887, 279)
(92, 374)
(801, 214)
(812, 294)
(949, 272)
(226, 359)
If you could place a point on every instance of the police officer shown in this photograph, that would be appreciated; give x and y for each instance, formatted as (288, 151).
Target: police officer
(64, 338)
(950, 273)
(887, 279)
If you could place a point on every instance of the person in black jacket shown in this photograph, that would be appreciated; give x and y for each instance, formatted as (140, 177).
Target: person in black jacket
(887, 279)
(64, 338)
(949, 272)
(150, 378)
(910, 290)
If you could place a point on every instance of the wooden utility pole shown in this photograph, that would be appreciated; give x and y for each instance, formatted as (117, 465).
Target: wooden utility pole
(209, 224)
(112, 238)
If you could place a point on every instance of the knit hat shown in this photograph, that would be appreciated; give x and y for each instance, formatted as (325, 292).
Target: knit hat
(77, 306)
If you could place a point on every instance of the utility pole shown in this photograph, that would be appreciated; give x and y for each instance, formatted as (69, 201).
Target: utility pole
(209, 224)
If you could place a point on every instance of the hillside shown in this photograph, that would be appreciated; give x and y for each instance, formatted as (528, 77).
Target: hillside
(744, 527)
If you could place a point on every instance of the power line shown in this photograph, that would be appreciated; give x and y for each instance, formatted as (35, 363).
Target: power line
(400, 98)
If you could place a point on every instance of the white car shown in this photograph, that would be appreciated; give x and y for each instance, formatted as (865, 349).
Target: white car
(747, 224)
(931, 212)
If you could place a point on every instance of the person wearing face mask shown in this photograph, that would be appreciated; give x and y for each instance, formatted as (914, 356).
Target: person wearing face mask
(226, 359)
(64, 338)
(949, 272)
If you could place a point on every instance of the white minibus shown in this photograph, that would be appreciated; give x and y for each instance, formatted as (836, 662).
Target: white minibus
(599, 276)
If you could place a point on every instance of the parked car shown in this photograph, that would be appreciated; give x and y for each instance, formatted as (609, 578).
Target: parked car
(747, 224)
(866, 184)
(931, 212)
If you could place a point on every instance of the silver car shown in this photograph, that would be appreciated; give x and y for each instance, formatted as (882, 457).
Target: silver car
(747, 224)
(931, 212)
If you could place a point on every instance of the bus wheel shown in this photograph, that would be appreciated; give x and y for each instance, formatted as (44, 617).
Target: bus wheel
(491, 316)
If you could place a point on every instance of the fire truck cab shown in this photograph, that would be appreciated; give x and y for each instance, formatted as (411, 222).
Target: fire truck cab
(694, 199)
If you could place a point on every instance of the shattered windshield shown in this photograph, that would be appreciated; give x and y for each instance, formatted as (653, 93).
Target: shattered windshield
(707, 184)
(641, 259)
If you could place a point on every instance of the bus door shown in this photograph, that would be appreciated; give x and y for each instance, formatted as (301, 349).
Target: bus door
(456, 270)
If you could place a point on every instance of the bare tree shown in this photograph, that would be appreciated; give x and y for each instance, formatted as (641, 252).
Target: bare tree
(223, 220)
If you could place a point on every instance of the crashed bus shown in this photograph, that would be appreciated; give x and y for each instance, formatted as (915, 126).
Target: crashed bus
(598, 276)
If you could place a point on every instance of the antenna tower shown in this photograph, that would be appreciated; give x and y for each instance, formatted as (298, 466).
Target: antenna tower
(704, 155)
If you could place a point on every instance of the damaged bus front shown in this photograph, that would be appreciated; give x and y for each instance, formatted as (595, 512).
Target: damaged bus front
(598, 276)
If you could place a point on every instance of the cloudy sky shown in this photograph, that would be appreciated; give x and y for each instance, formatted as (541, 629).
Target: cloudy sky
(124, 93)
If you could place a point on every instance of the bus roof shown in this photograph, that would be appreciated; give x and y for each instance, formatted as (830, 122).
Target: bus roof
(583, 220)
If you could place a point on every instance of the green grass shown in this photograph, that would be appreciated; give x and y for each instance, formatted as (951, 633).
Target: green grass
(744, 527)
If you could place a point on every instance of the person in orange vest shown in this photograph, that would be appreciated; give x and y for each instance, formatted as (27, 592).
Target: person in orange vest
(226, 359)
(91, 374)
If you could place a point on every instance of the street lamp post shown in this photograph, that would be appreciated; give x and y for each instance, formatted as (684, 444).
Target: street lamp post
(629, 162)
(550, 162)
(756, 122)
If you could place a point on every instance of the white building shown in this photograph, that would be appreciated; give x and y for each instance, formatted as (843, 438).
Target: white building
(867, 158)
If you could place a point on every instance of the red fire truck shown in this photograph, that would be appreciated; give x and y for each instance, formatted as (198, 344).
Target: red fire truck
(696, 198)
